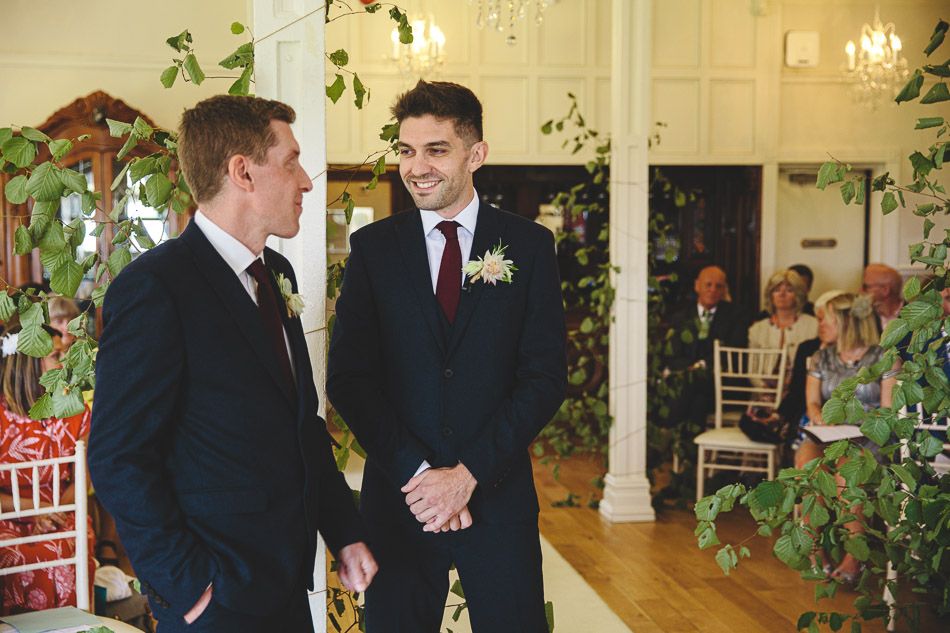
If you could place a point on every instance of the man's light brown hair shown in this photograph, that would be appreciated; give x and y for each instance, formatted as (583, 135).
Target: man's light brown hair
(221, 127)
(444, 101)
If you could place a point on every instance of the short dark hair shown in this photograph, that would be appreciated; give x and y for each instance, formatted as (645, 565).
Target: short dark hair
(804, 271)
(443, 100)
(221, 127)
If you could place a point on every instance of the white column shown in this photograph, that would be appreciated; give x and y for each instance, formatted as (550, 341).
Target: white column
(627, 490)
(289, 67)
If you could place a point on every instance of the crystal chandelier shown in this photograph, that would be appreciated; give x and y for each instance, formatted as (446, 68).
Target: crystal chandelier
(501, 14)
(877, 72)
(425, 55)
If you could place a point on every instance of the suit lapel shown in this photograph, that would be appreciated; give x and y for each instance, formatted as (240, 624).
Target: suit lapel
(224, 283)
(413, 247)
(300, 353)
(489, 229)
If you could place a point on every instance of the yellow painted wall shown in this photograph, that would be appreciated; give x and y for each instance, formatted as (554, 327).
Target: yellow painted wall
(55, 51)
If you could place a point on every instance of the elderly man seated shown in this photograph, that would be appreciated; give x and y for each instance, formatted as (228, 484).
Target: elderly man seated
(695, 327)
(885, 285)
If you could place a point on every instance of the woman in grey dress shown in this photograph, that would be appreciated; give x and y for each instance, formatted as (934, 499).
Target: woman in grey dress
(848, 330)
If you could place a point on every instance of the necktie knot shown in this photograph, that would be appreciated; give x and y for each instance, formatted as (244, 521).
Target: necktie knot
(449, 229)
(257, 271)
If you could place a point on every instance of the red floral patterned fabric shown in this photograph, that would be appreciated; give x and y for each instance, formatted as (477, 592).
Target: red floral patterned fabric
(24, 439)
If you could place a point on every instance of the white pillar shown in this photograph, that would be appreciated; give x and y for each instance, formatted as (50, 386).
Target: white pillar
(627, 490)
(289, 67)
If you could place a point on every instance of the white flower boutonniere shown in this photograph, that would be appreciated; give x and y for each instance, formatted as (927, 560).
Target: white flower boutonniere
(492, 268)
(293, 300)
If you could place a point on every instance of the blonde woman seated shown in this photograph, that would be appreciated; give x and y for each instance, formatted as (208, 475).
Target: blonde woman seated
(786, 326)
(24, 439)
(848, 329)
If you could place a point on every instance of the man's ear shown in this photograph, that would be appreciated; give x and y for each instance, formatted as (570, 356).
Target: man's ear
(239, 172)
(479, 154)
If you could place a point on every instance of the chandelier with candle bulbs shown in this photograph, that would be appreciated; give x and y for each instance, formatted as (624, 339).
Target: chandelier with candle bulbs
(425, 55)
(877, 72)
(502, 14)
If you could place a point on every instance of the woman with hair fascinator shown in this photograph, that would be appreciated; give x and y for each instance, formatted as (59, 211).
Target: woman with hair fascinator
(848, 329)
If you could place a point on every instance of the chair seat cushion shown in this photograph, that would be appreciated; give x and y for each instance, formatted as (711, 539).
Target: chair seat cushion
(731, 438)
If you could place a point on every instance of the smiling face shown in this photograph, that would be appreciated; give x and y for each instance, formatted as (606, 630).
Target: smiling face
(279, 184)
(436, 164)
(710, 286)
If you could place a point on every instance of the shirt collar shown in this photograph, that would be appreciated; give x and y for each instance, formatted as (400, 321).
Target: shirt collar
(700, 309)
(467, 217)
(235, 254)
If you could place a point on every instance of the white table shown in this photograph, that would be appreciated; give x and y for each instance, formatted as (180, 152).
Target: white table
(116, 625)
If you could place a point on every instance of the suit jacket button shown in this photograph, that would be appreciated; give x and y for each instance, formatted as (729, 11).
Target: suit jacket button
(448, 373)
(446, 432)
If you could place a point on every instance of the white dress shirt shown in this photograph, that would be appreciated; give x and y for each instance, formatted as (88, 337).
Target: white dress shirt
(238, 257)
(435, 240)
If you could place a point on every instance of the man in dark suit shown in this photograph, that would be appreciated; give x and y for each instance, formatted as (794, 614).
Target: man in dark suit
(206, 444)
(446, 379)
(695, 327)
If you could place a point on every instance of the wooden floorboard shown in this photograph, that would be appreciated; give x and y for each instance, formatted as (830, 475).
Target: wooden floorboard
(653, 576)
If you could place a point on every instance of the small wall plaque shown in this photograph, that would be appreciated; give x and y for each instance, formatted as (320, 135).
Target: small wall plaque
(826, 242)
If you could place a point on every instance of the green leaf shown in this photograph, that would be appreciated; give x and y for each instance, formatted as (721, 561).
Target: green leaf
(45, 183)
(34, 135)
(65, 280)
(927, 122)
(6, 133)
(243, 56)
(180, 42)
(888, 203)
(22, 241)
(913, 392)
(457, 589)
(847, 191)
(931, 447)
(42, 408)
(120, 177)
(726, 559)
(34, 340)
(193, 69)
(19, 151)
(243, 84)
(708, 508)
(339, 57)
(937, 38)
(767, 494)
(826, 484)
(7, 306)
(708, 538)
(118, 259)
(60, 148)
(335, 90)
(912, 89)
(68, 404)
(876, 429)
(894, 333)
(857, 546)
(549, 615)
(832, 412)
(118, 128)
(937, 93)
(237, 28)
(74, 181)
(818, 515)
(54, 241)
(157, 189)
(16, 190)
(548, 127)
(359, 90)
(827, 174)
(169, 75)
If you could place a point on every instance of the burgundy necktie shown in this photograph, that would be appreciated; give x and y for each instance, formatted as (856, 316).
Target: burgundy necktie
(449, 285)
(270, 312)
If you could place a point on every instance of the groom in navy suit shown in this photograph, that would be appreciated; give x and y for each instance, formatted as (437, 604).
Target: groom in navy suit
(206, 444)
(446, 378)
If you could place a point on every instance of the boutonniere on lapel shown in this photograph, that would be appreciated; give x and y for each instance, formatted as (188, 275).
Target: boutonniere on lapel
(293, 300)
(492, 268)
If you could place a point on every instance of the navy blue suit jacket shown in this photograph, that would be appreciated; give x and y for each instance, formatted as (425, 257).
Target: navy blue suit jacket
(215, 469)
(413, 388)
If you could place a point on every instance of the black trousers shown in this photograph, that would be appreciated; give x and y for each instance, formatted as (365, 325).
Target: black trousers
(499, 567)
(294, 618)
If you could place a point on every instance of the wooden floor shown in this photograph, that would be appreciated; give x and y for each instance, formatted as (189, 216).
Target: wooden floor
(655, 578)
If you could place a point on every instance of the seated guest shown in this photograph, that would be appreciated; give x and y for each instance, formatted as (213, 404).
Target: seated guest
(61, 312)
(885, 286)
(710, 318)
(786, 325)
(782, 425)
(850, 335)
(25, 439)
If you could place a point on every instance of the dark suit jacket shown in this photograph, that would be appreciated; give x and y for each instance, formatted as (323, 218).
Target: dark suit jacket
(414, 388)
(214, 469)
(729, 324)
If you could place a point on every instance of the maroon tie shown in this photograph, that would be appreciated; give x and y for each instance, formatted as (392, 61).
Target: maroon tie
(449, 285)
(270, 312)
